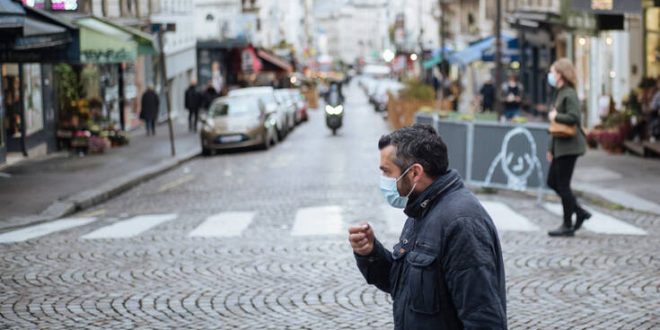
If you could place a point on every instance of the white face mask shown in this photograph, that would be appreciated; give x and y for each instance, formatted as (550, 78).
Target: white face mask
(391, 193)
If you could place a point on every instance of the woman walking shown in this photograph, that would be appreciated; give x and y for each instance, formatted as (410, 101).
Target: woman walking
(564, 151)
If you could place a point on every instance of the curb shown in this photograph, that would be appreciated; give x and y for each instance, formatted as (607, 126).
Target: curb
(104, 192)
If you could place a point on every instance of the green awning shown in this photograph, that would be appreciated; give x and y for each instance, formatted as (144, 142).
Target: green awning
(432, 62)
(101, 42)
(146, 43)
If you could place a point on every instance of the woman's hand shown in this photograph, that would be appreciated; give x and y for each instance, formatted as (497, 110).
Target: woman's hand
(552, 114)
(548, 156)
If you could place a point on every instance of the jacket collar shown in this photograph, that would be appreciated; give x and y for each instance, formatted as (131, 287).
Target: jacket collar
(441, 185)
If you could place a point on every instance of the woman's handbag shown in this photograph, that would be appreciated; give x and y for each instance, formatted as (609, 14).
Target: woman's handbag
(560, 130)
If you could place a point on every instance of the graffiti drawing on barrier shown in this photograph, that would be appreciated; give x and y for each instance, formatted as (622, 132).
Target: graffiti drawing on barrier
(518, 163)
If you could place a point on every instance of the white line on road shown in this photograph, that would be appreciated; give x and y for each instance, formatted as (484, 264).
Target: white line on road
(131, 227)
(226, 224)
(600, 223)
(506, 219)
(25, 234)
(326, 220)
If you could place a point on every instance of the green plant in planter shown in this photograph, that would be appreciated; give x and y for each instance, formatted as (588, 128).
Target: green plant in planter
(417, 90)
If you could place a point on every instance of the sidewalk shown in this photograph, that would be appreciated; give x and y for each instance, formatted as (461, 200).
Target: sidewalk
(50, 187)
(630, 181)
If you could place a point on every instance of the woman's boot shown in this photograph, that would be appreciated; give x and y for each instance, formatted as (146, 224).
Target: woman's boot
(582, 215)
(566, 229)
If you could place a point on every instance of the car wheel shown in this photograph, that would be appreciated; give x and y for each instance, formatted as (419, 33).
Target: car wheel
(206, 152)
(275, 138)
(265, 145)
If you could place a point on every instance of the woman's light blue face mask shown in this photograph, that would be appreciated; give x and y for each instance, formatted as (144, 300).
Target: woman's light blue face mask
(391, 193)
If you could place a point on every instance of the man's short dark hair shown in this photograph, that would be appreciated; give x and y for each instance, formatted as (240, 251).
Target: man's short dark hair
(420, 144)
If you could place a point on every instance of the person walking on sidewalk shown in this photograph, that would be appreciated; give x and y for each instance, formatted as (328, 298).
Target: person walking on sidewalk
(447, 270)
(512, 94)
(210, 94)
(193, 101)
(150, 107)
(487, 93)
(564, 151)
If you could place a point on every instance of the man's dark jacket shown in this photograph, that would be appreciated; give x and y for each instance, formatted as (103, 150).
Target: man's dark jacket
(446, 271)
(193, 99)
(150, 105)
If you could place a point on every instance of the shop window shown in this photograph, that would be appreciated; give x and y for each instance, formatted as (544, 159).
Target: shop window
(32, 101)
(652, 56)
(11, 86)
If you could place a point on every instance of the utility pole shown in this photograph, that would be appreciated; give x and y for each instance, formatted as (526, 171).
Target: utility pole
(498, 57)
(161, 29)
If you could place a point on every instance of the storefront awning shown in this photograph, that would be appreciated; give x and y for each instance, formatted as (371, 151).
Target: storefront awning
(275, 60)
(39, 34)
(146, 42)
(479, 50)
(12, 16)
(437, 57)
(41, 38)
(101, 42)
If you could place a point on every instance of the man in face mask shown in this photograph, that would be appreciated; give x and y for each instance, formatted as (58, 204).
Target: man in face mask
(446, 271)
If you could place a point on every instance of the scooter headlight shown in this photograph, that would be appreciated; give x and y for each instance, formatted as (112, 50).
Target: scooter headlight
(334, 110)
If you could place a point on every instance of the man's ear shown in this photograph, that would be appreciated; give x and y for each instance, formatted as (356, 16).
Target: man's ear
(418, 170)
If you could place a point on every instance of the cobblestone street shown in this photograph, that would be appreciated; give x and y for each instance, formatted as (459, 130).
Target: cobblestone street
(256, 240)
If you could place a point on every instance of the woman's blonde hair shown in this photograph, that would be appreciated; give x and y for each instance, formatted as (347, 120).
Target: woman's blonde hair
(565, 68)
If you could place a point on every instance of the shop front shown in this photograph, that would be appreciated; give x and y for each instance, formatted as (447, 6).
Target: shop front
(652, 38)
(29, 110)
(99, 94)
(540, 39)
(219, 63)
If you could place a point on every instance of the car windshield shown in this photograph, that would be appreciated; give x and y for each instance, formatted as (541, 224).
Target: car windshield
(234, 107)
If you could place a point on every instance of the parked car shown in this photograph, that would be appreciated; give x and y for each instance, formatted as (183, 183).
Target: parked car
(267, 96)
(286, 101)
(237, 122)
(380, 94)
(301, 104)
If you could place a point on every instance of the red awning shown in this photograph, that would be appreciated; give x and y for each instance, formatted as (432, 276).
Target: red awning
(275, 60)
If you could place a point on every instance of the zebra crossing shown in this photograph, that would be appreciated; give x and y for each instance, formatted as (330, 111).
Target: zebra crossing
(310, 221)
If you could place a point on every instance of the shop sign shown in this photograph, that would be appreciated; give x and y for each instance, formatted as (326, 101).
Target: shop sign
(583, 22)
(106, 56)
(608, 7)
(602, 4)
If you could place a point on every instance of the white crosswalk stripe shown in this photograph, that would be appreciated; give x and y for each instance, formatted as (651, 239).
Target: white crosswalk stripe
(131, 227)
(226, 224)
(25, 234)
(324, 220)
(506, 219)
(601, 223)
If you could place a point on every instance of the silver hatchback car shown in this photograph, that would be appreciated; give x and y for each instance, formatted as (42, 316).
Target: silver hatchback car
(237, 122)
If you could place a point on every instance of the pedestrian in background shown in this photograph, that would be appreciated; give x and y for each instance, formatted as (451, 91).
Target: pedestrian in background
(193, 101)
(149, 111)
(512, 95)
(210, 94)
(447, 270)
(487, 93)
(564, 151)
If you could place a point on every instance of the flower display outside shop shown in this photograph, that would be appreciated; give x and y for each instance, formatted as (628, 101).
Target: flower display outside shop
(83, 126)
